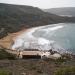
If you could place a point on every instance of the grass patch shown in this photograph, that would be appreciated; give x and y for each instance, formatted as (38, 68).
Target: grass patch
(3, 72)
(65, 71)
(6, 55)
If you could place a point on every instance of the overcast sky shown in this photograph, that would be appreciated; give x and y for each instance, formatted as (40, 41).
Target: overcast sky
(42, 3)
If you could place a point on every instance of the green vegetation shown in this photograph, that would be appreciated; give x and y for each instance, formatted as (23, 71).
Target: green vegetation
(2, 72)
(36, 67)
(65, 71)
(6, 55)
(60, 61)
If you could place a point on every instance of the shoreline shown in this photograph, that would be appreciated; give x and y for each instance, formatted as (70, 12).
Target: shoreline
(28, 34)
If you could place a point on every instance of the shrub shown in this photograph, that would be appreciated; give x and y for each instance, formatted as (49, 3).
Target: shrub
(6, 55)
(2, 72)
(65, 71)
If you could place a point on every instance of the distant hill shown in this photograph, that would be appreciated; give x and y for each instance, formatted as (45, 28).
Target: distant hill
(66, 11)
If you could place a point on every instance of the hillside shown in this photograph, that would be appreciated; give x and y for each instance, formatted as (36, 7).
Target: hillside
(66, 11)
(16, 17)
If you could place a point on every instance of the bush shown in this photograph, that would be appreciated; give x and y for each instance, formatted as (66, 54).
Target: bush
(6, 55)
(2, 72)
(65, 71)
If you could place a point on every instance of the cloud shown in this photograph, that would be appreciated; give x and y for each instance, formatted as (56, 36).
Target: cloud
(42, 3)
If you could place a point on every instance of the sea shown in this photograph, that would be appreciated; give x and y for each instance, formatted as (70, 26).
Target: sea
(63, 35)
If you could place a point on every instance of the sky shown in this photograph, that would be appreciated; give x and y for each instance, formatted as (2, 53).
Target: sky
(44, 4)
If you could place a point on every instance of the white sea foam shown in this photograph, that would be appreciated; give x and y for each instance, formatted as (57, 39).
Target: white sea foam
(56, 28)
(42, 41)
(47, 30)
(67, 15)
(35, 43)
(53, 28)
